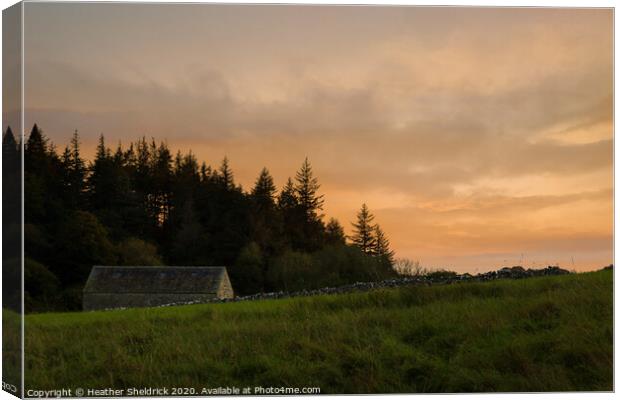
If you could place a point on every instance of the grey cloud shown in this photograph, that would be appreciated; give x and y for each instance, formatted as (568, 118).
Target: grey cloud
(428, 155)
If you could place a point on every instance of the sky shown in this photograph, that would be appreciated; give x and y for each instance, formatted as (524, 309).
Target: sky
(479, 137)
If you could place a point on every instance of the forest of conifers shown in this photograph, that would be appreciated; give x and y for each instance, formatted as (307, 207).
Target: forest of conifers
(143, 205)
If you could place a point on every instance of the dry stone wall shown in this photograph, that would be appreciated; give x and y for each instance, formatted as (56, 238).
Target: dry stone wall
(504, 273)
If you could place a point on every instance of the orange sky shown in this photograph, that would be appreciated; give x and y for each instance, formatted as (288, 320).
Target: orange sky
(479, 137)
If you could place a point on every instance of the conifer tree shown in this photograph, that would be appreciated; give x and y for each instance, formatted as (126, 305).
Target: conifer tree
(78, 167)
(161, 176)
(10, 152)
(264, 190)
(143, 157)
(334, 232)
(288, 197)
(382, 246)
(188, 243)
(226, 175)
(74, 169)
(364, 231)
(306, 189)
(119, 155)
(36, 150)
(205, 172)
(101, 182)
(265, 219)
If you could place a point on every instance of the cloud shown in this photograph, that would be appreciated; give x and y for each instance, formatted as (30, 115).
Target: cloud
(453, 121)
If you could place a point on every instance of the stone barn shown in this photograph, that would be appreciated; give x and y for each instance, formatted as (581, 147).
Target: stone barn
(118, 287)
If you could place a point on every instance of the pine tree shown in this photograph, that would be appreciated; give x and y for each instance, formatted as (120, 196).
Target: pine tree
(8, 139)
(36, 142)
(288, 197)
(188, 242)
(264, 190)
(11, 186)
(306, 188)
(119, 155)
(78, 166)
(74, 172)
(102, 151)
(10, 151)
(364, 231)
(101, 183)
(205, 172)
(178, 159)
(382, 246)
(143, 158)
(226, 175)
(36, 151)
(265, 219)
(161, 178)
(129, 160)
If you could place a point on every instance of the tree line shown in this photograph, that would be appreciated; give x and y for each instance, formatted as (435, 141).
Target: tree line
(144, 205)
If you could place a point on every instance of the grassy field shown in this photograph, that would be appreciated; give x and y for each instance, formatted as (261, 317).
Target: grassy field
(538, 334)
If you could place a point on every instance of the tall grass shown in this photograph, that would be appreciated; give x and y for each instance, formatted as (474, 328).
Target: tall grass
(538, 334)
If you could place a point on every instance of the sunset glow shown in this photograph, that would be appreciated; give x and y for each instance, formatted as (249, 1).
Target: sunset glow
(479, 137)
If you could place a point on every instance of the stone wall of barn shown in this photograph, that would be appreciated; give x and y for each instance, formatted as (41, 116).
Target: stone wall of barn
(225, 290)
(102, 301)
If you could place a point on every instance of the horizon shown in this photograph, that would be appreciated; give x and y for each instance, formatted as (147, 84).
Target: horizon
(479, 138)
(521, 261)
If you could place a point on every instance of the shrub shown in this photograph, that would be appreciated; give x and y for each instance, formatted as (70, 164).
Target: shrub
(408, 267)
(134, 252)
(41, 286)
(81, 242)
(291, 271)
(246, 275)
(441, 274)
(331, 266)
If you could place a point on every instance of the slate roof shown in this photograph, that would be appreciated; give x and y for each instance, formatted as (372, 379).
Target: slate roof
(105, 279)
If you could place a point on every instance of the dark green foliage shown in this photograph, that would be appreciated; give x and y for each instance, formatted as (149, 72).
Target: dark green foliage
(441, 274)
(334, 232)
(109, 192)
(36, 150)
(345, 264)
(41, 286)
(74, 174)
(333, 265)
(143, 206)
(136, 252)
(382, 247)
(266, 221)
(291, 271)
(44, 193)
(306, 188)
(293, 218)
(541, 334)
(73, 262)
(371, 239)
(248, 270)
(225, 177)
(10, 149)
(264, 190)
(11, 221)
(364, 231)
(190, 240)
(310, 204)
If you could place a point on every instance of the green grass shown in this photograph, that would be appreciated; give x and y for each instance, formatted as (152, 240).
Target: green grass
(11, 348)
(538, 334)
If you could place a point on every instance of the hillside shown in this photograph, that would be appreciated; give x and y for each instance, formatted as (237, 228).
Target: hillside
(538, 334)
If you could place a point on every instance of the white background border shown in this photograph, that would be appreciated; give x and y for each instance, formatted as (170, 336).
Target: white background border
(527, 3)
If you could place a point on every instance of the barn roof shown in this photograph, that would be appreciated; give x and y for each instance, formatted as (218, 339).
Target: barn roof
(106, 279)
